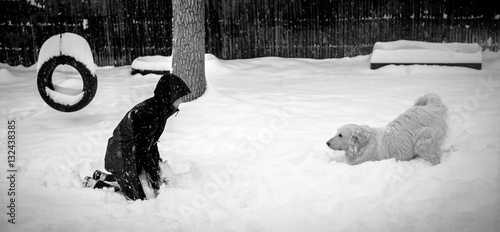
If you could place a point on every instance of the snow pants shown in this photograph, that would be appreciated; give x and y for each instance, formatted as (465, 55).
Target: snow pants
(126, 167)
(130, 185)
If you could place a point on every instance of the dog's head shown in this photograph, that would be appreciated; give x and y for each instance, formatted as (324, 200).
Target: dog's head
(350, 138)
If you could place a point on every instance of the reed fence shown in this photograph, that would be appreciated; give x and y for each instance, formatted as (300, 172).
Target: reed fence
(119, 31)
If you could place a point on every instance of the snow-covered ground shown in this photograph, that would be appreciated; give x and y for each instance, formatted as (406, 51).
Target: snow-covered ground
(251, 154)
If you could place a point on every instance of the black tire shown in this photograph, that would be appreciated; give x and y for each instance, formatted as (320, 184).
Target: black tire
(45, 80)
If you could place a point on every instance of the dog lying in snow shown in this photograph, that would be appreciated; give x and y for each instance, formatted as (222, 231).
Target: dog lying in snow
(419, 131)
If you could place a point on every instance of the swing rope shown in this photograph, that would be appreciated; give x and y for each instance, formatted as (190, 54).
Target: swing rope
(60, 32)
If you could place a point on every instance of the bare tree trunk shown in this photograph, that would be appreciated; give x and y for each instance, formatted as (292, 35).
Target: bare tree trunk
(188, 54)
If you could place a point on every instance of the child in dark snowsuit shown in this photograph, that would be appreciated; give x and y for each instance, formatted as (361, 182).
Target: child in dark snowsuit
(133, 147)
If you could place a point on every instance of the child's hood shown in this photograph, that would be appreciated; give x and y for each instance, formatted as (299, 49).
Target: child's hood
(170, 88)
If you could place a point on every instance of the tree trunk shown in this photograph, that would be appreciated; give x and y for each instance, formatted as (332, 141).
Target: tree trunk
(188, 53)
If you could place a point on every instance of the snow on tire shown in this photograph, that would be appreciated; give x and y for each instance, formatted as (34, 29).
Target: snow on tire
(66, 49)
(67, 103)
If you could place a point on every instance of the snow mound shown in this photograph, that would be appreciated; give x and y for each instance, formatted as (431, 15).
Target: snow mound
(6, 76)
(67, 44)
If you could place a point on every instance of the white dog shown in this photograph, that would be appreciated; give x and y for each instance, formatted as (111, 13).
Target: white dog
(419, 131)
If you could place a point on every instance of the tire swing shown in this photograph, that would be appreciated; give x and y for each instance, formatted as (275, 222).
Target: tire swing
(66, 49)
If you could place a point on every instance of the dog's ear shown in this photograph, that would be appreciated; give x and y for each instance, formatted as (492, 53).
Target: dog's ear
(359, 138)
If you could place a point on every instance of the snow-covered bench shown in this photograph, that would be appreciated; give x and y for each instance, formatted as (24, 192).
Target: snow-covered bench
(152, 65)
(405, 52)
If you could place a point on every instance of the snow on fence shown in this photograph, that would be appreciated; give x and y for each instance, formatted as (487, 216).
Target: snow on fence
(120, 31)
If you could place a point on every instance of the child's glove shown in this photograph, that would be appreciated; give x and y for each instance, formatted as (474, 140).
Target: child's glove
(88, 182)
(167, 175)
(148, 189)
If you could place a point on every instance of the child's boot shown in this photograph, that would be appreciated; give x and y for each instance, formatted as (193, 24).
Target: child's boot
(98, 175)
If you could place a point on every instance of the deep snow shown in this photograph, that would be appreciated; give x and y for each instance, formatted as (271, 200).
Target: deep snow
(250, 155)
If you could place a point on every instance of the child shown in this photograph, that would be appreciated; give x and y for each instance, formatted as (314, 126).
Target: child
(133, 150)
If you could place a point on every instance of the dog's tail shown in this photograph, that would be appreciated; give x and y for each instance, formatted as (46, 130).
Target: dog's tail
(432, 100)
